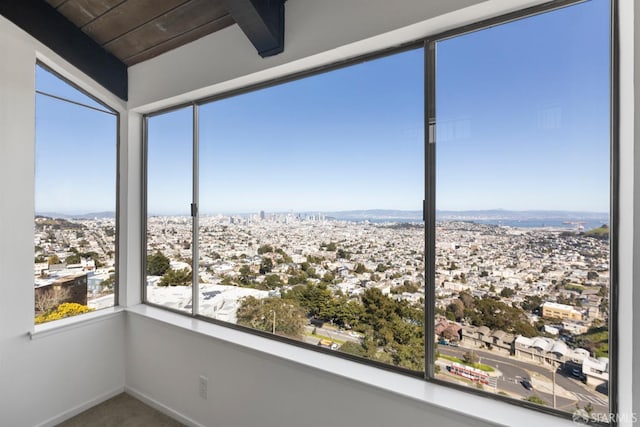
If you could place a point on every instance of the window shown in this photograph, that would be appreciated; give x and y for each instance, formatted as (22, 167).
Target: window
(169, 222)
(309, 220)
(522, 250)
(75, 200)
(478, 255)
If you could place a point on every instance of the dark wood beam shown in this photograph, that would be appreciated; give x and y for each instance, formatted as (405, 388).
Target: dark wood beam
(45, 24)
(262, 22)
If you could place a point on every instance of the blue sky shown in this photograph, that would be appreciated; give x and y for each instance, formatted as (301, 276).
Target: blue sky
(75, 151)
(522, 113)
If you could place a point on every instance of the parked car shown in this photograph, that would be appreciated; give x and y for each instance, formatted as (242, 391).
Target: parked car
(526, 384)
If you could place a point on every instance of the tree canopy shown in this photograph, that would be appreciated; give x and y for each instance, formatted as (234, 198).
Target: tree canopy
(182, 277)
(261, 314)
(495, 314)
(157, 264)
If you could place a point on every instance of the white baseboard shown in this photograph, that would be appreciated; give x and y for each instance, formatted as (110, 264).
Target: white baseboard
(162, 407)
(53, 421)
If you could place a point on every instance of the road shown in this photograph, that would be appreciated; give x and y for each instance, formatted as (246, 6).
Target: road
(515, 370)
(334, 334)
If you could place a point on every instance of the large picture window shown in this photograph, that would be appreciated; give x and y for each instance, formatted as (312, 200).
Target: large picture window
(478, 254)
(75, 199)
(522, 253)
(309, 210)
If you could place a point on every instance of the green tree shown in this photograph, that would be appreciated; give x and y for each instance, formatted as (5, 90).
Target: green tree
(456, 308)
(470, 357)
(283, 315)
(73, 259)
(244, 270)
(397, 327)
(495, 314)
(507, 292)
(356, 349)
(182, 277)
(531, 303)
(53, 259)
(467, 299)
(328, 277)
(360, 268)
(92, 255)
(316, 299)
(331, 247)
(347, 312)
(284, 257)
(341, 253)
(381, 268)
(407, 286)
(265, 249)
(157, 264)
(272, 281)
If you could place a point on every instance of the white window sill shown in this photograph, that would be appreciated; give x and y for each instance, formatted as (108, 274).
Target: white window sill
(57, 326)
(482, 408)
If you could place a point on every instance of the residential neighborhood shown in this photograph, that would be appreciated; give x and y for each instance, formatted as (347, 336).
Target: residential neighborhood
(536, 295)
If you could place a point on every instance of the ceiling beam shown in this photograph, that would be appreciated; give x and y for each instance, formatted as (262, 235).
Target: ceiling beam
(51, 28)
(262, 21)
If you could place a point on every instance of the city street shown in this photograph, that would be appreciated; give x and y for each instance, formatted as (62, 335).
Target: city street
(333, 334)
(568, 389)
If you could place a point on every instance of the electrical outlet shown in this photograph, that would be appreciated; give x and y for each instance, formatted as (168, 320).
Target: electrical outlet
(203, 386)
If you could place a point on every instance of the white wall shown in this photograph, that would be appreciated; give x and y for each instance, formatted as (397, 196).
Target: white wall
(248, 388)
(630, 101)
(53, 375)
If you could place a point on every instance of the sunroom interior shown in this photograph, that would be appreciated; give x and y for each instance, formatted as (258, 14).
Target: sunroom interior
(50, 374)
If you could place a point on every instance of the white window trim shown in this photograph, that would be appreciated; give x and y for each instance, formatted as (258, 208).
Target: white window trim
(57, 326)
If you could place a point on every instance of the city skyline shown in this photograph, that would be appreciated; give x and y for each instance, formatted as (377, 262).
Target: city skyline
(539, 212)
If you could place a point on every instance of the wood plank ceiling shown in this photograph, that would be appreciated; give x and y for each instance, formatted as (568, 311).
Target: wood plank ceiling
(137, 30)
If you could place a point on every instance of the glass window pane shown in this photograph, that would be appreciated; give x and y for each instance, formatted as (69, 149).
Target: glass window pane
(50, 83)
(169, 196)
(75, 202)
(310, 210)
(523, 178)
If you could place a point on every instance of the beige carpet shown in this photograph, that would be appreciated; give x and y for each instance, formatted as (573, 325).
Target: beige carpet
(121, 411)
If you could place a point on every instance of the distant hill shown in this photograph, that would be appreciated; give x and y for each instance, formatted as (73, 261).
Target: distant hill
(375, 214)
(496, 214)
(489, 214)
(89, 215)
(599, 233)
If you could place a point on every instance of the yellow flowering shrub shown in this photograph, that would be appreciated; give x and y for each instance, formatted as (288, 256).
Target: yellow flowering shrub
(66, 309)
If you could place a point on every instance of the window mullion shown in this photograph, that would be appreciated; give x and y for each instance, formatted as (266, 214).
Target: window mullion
(195, 299)
(430, 206)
